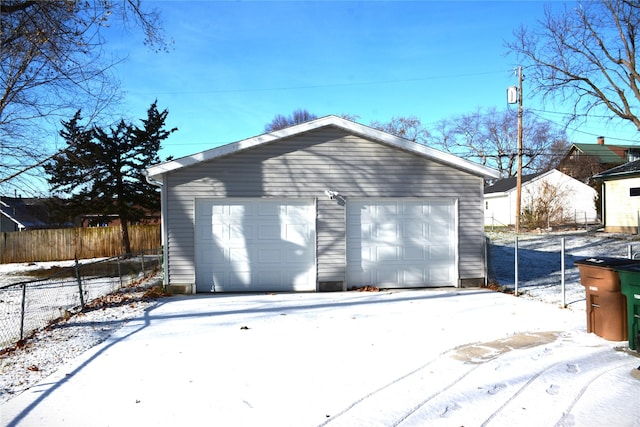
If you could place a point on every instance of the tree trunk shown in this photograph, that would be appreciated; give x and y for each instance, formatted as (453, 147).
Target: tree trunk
(126, 243)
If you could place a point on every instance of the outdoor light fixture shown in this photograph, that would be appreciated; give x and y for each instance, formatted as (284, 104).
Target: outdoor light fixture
(331, 194)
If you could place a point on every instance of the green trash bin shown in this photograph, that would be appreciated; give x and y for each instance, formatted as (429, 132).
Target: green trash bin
(630, 288)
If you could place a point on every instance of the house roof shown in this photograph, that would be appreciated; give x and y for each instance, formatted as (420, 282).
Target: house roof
(605, 153)
(26, 213)
(622, 171)
(508, 184)
(328, 121)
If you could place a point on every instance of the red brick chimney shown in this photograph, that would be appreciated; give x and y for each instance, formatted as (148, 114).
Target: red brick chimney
(601, 140)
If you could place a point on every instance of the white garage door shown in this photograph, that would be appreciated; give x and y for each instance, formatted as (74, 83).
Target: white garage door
(255, 245)
(401, 243)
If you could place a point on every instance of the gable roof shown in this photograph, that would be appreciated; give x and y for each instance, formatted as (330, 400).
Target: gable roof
(623, 171)
(26, 213)
(355, 128)
(507, 184)
(605, 153)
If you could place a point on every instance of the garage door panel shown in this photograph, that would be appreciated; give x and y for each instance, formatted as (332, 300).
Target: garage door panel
(298, 234)
(414, 210)
(255, 244)
(298, 254)
(413, 230)
(268, 208)
(413, 276)
(440, 276)
(386, 231)
(269, 231)
(386, 253)
(239, 279)
(440, 253)
(386, 278)
(267, 277)
(436, 232)
(414, 253)
(270, 256)
(401, 242)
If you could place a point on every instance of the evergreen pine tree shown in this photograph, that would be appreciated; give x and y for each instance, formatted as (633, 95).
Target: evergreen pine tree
(102, 169)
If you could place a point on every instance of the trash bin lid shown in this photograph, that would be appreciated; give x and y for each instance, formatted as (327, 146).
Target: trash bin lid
(605, 262)
(633, 268)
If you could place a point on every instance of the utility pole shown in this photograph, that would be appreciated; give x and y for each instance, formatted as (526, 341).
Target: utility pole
(519, 177)
(514, 95)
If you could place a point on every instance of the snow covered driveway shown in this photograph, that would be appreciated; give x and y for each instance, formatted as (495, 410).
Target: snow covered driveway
(403, 358)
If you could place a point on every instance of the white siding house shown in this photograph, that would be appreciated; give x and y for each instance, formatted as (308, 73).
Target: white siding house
(577, 199)
(621, 198)
(325, 205)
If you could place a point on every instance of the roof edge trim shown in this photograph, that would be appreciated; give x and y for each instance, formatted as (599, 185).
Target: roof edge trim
(359, 129)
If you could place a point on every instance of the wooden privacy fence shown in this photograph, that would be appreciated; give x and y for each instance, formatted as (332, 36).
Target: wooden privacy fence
(69, 243)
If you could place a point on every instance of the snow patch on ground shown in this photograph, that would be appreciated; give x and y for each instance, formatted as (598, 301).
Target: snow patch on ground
(25, 365)
(540, 261)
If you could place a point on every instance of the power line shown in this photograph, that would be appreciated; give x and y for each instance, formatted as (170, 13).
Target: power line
(321, 86)
(573, 129)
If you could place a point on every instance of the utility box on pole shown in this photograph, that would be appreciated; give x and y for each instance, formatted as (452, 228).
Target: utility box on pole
(512, 95)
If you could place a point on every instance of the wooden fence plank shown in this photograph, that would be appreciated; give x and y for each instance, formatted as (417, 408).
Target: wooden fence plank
(67, 243)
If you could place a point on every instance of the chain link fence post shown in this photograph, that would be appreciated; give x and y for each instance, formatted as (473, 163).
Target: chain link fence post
(24, 301)
(119, 271)
(53, 297)
(79, 278)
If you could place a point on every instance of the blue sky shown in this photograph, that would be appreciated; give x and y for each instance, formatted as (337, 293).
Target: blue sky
(235, 65)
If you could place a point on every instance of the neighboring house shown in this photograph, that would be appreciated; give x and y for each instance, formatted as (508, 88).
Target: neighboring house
(18, 214)
(621, 198)
(582, 161)
(97, 220)
(576, 200)
(325, 205)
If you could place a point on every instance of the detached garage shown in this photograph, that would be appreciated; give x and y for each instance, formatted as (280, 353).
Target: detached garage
(325, 205)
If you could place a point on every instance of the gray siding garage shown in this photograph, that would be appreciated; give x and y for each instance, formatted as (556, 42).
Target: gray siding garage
(326, 205)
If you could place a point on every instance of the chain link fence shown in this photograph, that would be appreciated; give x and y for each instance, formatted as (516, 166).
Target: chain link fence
(28, 306)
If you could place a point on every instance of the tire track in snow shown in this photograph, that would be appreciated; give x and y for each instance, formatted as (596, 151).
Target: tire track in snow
(465, 406)
(573, 387)
(365, 404)
(489, 384)
(466, 359)
(517, 393)
(567, 417)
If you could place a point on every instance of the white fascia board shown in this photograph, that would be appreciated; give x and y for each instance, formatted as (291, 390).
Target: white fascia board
(498, 195)
(12, 219)
(356, 128)
(447, 158)
(234, 147)
(417, 148)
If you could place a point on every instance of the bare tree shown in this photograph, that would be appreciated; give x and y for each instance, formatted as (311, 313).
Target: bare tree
(410, 128)
(586, 55)
(53, 62)
(490, 138)
(295, 118)
(546, 204)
